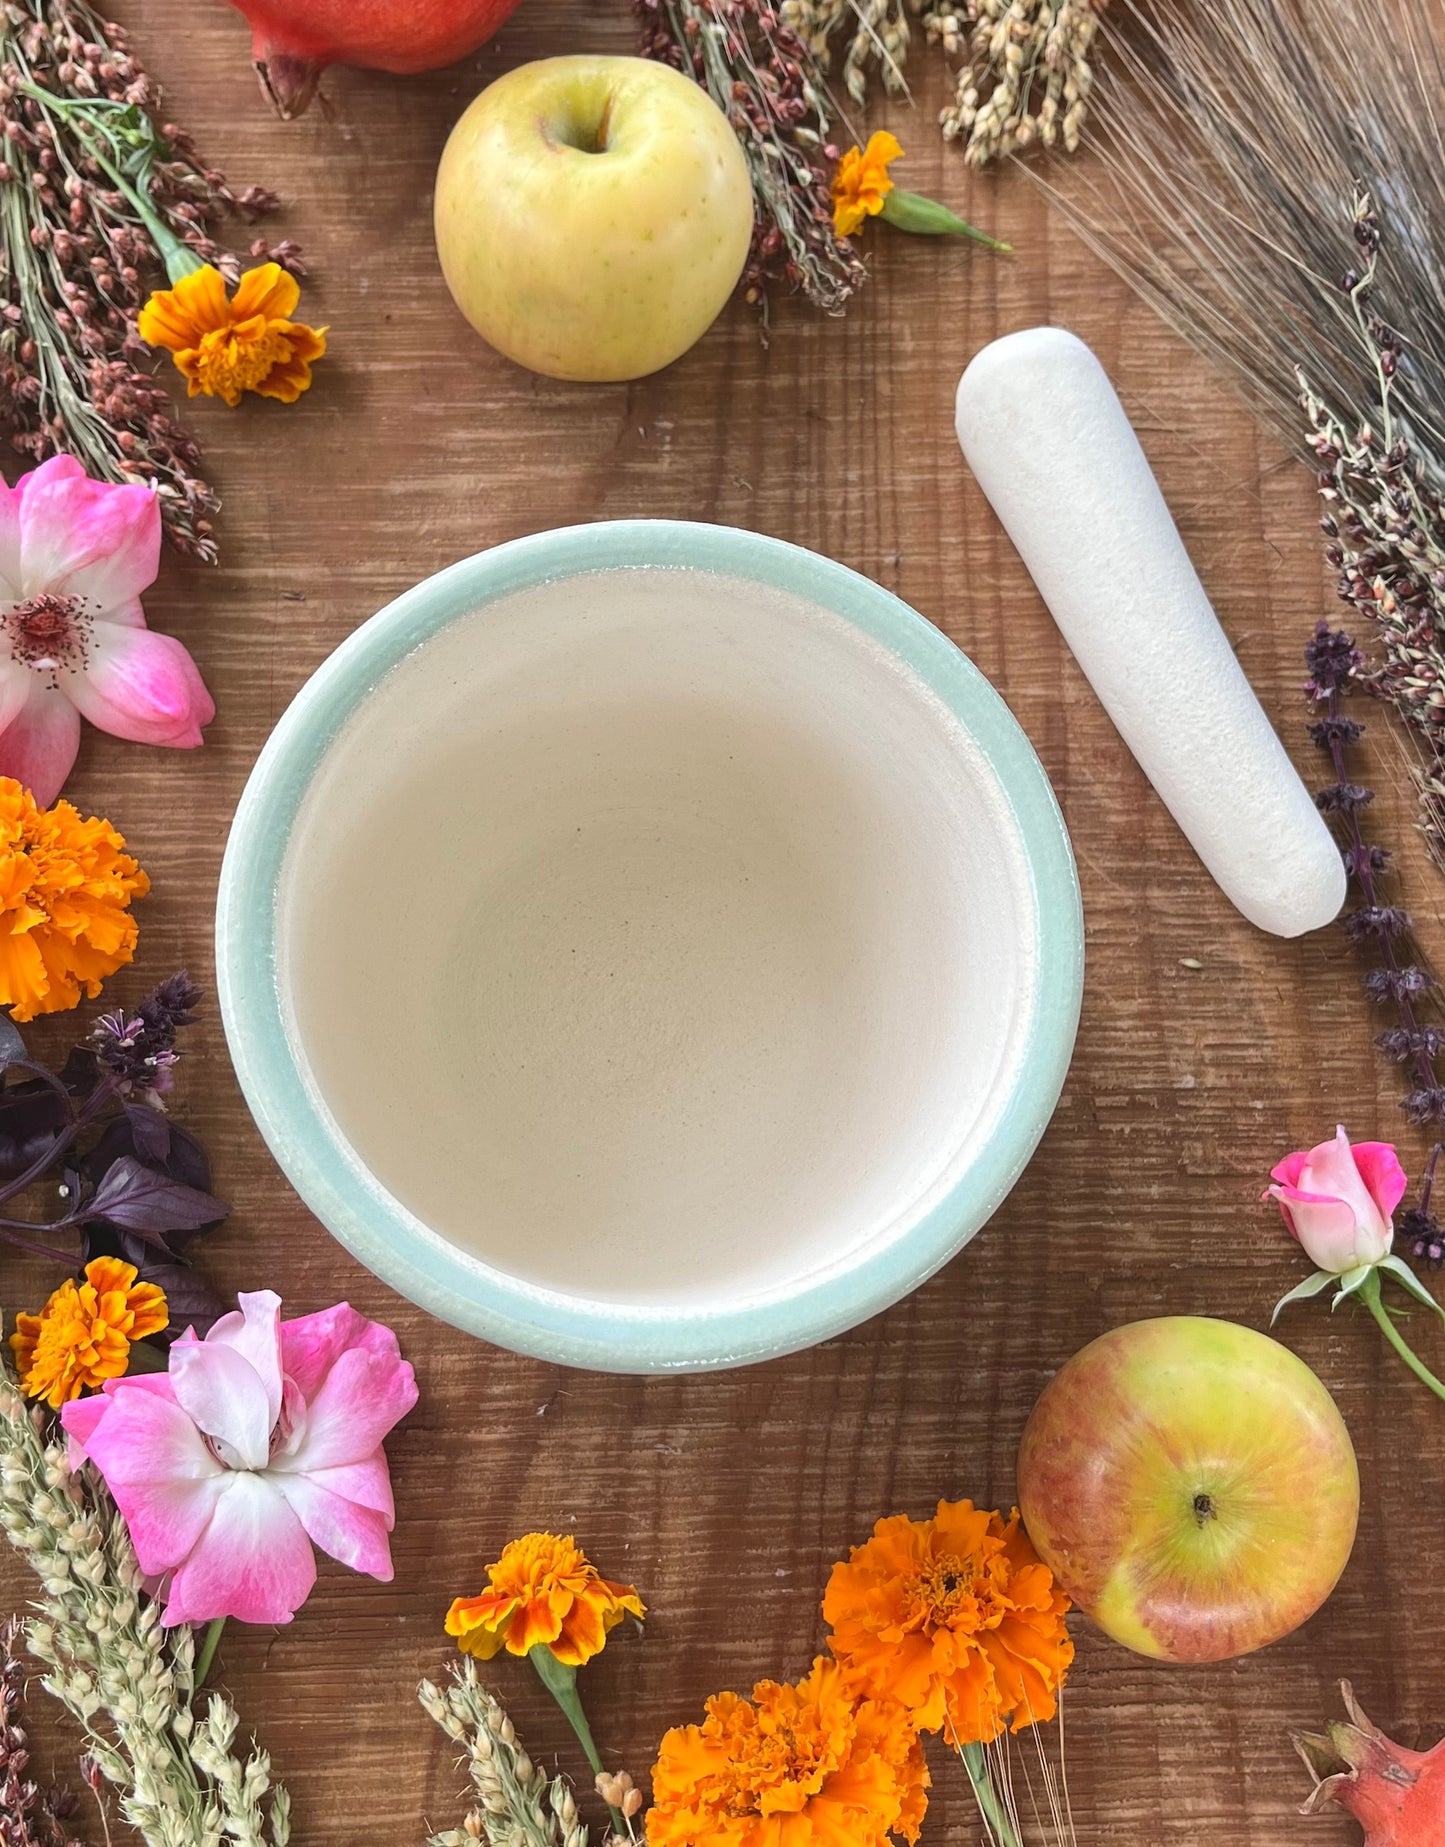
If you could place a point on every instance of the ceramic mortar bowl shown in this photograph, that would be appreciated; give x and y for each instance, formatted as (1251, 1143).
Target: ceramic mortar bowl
(650, 946)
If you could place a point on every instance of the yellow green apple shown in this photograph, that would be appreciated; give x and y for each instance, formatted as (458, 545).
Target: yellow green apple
(593, 215)
(1191, 1485)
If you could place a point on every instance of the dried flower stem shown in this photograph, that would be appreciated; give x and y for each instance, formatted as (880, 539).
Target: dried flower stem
(129, 1682)
(94, 192)
(763, 65)
(1228, 139)
(29, 1816)
(1027, 77)
(767, 83)
(519, 1807)
(1386, 530)
(877, 31)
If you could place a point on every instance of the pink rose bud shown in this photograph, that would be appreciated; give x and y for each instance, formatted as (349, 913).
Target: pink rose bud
(1339, 1201)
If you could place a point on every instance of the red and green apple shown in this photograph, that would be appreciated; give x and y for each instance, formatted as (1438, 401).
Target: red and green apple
(1192, 1486)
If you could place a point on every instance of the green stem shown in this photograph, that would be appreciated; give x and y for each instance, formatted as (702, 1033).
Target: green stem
(178, 258)
(1370, 1293)
(923, 217)
(995, 1815)
(210, 1642)
(561, 1682)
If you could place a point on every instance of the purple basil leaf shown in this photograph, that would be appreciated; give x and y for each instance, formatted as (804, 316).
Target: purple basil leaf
(31, 1116)
(191, 1299)
(12, 1046)
(97, 1239)
(150, 1135)
(138, 1240)
(139, 1199)
(117, 1139)
(80, 1073)
(187, 1160)
(147, 1355)
(101, 1240)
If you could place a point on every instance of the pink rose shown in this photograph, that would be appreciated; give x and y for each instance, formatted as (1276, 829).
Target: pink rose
(1339, 1201)
(260, 1441)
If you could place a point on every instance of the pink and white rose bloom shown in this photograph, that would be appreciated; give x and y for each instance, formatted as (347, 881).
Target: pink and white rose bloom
(1339, 1201)
(261, 1439)
(75, 555)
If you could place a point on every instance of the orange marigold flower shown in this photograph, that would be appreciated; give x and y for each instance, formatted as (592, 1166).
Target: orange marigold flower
(83, 1335)
(861, 182)
(542, 1590)
(955, 1617)
(65, 891)
(810, 1765)
(249, 343)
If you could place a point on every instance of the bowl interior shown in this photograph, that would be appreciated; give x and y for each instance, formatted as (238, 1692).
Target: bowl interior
(649, 946)
(706, 927)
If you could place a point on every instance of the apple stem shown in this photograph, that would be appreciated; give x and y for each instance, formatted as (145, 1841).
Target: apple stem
(1370, 1292)
(995, 1816)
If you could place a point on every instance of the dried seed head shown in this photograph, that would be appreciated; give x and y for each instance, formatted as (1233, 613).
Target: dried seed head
(759, 64)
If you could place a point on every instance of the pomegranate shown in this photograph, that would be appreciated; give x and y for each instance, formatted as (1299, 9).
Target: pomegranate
(293, 41)
(1397, 1796)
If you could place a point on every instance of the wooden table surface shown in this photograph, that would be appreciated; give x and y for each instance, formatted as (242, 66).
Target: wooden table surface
(726, 1497)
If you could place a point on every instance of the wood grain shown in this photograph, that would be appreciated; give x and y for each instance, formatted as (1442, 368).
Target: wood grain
(726, 1497)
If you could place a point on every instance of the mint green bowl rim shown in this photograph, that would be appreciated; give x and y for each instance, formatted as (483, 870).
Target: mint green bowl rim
(419, 1263)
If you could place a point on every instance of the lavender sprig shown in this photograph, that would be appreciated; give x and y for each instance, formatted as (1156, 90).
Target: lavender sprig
(1420, 1225)
(1399, 979)
(1335, 665)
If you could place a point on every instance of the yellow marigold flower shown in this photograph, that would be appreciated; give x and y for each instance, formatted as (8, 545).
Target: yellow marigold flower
(861, 182)
(83, 1335)
(809, 1765)
(65, 890)
(956, 1618)
(249, 343)
(542, 1589)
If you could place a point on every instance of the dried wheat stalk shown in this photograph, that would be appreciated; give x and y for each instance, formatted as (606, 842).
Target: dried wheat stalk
(128, 1682)
(1231, 140)
(1270, 176)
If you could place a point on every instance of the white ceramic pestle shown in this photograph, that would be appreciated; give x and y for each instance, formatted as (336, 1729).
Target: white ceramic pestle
(1048, 439)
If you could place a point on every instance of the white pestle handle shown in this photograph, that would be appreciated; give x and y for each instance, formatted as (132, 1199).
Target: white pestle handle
(1048, 439)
